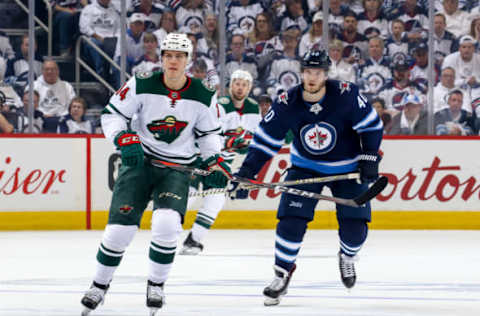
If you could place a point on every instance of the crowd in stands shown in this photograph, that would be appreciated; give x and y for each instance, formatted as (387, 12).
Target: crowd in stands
(381, 45)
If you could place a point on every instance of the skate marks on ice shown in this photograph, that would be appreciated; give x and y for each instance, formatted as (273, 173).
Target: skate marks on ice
(399, 273)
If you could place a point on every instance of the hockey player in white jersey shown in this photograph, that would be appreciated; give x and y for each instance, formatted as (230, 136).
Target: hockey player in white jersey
(173, 112)
(239, 116)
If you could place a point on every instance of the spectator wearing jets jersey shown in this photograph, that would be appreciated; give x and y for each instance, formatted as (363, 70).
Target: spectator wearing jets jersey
(374, 73)
(66, 15)
(445, 42)
(17, 68)
(395, 89)
(238, 58)
(414, 16)
(355, 45)
(55, 95)
(295, 14)
(134, 46)
(340, 70)
(101, 23)
(397, 42)
(150, 61)
(284, 70)
(372, 20)
(419, 70)
(212, 80)
(313, 37)
(466, 63)
(190, 14)
(151, 11)
(453, 120)
(239, 117)
(168, 24)
(241, 15)
(412, 119)
(351, 133)
(75, 122)
(263, 40)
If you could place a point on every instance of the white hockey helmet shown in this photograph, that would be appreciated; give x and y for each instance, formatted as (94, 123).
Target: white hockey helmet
(177, 42)
(241, 74)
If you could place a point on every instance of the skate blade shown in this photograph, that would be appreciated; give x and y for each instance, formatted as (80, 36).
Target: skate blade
(153, 311)
(189, 251)
(86, 311)
(271, 301)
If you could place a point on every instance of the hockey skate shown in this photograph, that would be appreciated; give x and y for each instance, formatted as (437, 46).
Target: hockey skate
(278, 288)
(191, 247)
(93, 297)
(347, 270)
(155, 297)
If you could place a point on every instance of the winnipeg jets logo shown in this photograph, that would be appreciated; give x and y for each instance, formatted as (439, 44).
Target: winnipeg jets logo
(318, 139)
(283, 98)
(316, 108)
(344, 86)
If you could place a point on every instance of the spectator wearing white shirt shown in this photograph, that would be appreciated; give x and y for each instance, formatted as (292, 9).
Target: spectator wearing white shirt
(151, 60)
(168, 24)
(443, 87)
(458, 21)
(55, 95)
(466, 63)
(313, 36)
(340, 69)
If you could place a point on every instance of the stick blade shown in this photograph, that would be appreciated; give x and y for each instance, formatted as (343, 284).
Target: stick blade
(373, 191)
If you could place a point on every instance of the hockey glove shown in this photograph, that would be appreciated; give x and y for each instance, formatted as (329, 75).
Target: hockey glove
(220, 172)
(129, 145)
(368, 166)
(235, 191)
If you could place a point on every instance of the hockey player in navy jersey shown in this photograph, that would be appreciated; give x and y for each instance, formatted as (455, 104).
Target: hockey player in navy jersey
(335, 131)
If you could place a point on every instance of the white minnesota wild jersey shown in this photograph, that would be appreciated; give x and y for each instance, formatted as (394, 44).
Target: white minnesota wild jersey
(168, 122)
(233, 119)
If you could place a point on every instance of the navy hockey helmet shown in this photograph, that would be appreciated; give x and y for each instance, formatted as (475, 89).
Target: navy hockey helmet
(316, 59)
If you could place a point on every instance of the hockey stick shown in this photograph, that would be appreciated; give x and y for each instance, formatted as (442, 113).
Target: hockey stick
(285, 183)
(358, 201)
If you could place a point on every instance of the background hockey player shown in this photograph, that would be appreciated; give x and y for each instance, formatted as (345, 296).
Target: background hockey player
(172, 112)
(239, 117)
(335, 131)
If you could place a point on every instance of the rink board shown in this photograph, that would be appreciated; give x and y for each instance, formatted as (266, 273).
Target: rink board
(65, 183)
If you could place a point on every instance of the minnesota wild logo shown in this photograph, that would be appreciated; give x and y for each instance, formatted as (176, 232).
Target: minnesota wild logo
(166, 130)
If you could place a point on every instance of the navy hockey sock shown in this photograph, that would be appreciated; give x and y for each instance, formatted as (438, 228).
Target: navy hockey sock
(290, 232)
(353, 233)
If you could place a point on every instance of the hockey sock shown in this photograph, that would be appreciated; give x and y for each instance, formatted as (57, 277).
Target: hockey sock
(115, 240)
(211, 206)
(290, 232)
(166, 227)
(353, 233)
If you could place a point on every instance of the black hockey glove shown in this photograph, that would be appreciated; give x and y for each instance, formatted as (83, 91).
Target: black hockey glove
(234, 191)
(129, 144)
(368, 166)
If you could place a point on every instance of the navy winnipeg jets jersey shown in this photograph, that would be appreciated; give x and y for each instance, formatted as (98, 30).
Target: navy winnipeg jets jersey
(329, 135)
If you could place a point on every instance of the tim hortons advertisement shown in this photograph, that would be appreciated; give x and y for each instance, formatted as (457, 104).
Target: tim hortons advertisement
(424, 175)
(42, 174)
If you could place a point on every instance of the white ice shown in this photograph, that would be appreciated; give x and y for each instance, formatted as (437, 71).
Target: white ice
(399, 273)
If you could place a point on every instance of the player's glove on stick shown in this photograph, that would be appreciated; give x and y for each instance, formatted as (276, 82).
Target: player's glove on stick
(236, 192)
(129, 144)
(368, 166)
(220, 172)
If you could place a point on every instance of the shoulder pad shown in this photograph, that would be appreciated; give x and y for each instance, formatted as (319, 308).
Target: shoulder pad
(224, 100)
(252, 100)
(144, 74)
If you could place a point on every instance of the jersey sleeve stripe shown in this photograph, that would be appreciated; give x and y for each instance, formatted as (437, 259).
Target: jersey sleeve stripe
(267, 138)
(367, 120)
(110, 107)
(263, 148)
(200, 133)
(377, 127)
